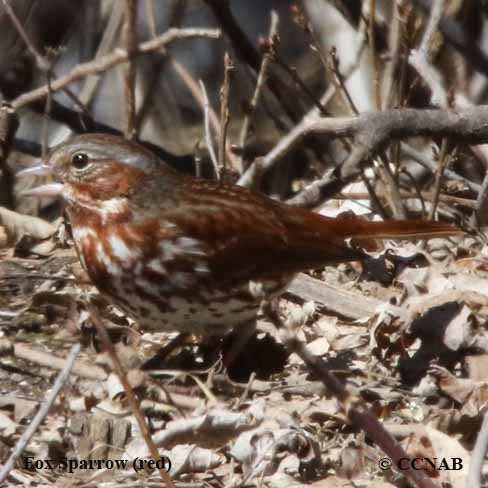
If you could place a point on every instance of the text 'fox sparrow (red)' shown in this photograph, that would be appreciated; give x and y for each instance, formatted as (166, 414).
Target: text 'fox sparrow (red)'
(178, 253)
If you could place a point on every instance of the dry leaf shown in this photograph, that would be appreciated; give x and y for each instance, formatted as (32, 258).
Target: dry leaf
(18, 225)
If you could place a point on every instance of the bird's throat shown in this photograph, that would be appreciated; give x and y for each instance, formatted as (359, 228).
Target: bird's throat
(82, 207)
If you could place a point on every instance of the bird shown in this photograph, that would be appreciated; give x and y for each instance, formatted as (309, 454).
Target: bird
(177, 253)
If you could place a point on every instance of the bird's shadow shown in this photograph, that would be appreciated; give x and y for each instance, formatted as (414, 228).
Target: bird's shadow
(261, 356)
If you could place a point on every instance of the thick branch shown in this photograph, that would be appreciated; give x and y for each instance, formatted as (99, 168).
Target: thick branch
(371, 130)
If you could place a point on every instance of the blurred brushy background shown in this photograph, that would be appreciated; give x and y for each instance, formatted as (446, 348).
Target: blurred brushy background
(323, 58)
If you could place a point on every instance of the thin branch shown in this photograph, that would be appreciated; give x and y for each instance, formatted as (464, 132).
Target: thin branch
(432, 24)
(41, 413)
(83, 369)
(104, 63)
(291, 71)
(419, 58)
(106, 44)
(481, 211)
(152, 85)
(151, 21)
(263, 71)
(246, 51)
(208, 133)
(443, 160)
(390, 80)
(43, 277)
(131, 397)
(391, 186)
(8, 127)
(224, 108)
(195, 90)
(427, 163)
(256, 170)
(372, 45)
(457, 37)
(130, 35)
(338, 80)
(42, 63)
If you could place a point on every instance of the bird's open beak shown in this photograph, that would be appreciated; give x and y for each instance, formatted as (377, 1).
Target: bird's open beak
(48, 190)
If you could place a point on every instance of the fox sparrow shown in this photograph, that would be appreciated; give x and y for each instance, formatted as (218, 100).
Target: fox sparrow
(178, 253)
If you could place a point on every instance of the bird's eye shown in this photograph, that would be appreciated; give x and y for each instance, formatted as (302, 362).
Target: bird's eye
(80, 160)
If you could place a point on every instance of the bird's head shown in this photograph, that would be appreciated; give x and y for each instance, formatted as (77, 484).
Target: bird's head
(98, 171)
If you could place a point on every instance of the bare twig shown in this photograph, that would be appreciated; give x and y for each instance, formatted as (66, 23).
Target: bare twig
(429, 164)
(334, 299)
(391, 186)
(419, 58)
(151, 21)
(396, 71)
(41, 413)
(263, 70)
(443, 161)
(42, 62)
(291, 71)
(246, 51)
(372, 45)
(131, 398)
(106, 44)
(155, 82)
(482, 203)
(8, 126)
(42, 277)
(224, 108)
(83, 369)
(195, 90)
(104, 63)
(373, 196)
(434, 19)
(391, 90)
(208, 133)
(338, 80)
(45, 116)
(256, 170)
(473, 479)
(130, 35)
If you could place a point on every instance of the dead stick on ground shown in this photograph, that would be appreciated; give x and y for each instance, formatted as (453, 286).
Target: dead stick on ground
(131, 397)
(83, 369)
(41, 414)
(356, 410)
(478, 456)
